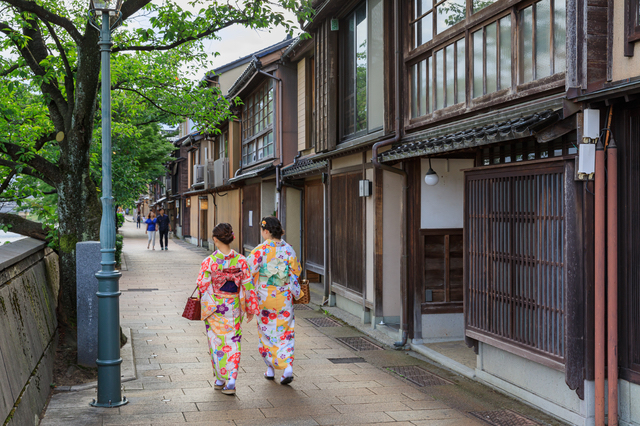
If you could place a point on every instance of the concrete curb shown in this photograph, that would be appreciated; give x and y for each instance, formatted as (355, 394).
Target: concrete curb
(129, 371)
(452, 365)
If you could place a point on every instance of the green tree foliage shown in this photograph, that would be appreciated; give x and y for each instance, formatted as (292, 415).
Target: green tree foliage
(49, 105)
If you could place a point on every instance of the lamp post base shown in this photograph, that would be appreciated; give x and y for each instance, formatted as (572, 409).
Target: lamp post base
(95, 403)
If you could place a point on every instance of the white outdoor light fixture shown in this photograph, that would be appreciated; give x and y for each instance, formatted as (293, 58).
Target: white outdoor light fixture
(431, 178)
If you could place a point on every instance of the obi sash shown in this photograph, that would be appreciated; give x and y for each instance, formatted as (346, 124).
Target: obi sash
(227, 281)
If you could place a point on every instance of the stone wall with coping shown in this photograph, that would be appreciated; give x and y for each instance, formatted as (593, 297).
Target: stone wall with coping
(29, 285)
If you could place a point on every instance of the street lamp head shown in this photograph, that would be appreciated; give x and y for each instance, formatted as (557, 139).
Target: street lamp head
(105, 5)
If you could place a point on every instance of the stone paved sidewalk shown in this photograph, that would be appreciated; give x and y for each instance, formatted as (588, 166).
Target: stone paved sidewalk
(174, 373)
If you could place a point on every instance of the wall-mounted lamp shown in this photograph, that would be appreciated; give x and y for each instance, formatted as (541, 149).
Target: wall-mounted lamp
(431, 178)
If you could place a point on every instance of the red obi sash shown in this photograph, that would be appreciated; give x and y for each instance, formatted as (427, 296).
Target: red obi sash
(227, 281)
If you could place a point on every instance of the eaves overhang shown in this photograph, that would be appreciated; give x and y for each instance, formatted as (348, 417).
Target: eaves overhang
(471, 137)
(304, 168)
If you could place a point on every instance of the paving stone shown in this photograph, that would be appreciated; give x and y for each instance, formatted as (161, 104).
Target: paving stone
(371, 407)
(333, 419)
(426, 414)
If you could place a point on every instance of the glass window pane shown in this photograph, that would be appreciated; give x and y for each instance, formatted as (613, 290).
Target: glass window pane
(492, 60)
(461, 71)
(505, 52)
(430, 84)
(423, 75)
(526, 45)
(439, 83)
(481, 4)
(543, 38)
(450, 13)
(450, 74)
(420, 7)
(361, 68)
(477, 64)
(415, 91)
(560, 35)
(423, 30)
(349, 102)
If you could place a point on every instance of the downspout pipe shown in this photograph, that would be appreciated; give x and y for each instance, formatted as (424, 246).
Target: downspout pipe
(599, 249)
(612, 280)
(278, 166)
(376, 164)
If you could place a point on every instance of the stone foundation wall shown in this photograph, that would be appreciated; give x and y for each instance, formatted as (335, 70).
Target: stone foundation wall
(29, 285)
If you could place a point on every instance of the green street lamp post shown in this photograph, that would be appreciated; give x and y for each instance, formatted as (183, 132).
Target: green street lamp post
(105, 18)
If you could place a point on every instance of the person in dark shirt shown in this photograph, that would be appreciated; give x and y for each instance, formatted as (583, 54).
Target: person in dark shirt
(164, 227)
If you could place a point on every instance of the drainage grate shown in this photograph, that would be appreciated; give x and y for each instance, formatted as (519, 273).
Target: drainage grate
(503, 418)
(346, 360)
(359, 344)
(301, 307)
(141, 289)
(419, 376)
(323, 322)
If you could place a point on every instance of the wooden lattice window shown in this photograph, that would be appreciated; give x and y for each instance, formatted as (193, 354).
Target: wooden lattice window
(443, 267)
(514, 266)
(257, 125)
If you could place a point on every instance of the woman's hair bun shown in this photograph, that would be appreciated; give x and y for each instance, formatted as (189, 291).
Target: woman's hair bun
(272, 225)
(224, 233)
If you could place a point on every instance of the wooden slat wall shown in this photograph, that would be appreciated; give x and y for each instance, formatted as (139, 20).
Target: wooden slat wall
(302, 105)
(314, 225)
(326, 49)
(629, 243)
(347, 239)
(515, 257)
(251, 202)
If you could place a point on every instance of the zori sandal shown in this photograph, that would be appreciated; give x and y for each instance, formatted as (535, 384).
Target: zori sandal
(286, 380)
(231, 391)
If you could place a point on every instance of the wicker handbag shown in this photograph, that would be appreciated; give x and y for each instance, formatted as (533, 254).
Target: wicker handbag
(192, 308)
(305, 294)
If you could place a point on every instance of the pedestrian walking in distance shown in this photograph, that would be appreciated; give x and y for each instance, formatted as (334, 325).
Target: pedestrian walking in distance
(138, 219)
(226, 296)
(164, 227)
(275, 272)
(151, 229)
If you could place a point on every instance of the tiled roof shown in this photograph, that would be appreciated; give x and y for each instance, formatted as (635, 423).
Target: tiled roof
(303, 166)
(502, 131)
(248, 174)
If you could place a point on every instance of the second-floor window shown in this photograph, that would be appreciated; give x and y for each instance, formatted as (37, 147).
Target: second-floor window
(355, 71)
(257, 125)
(362, 70)
(500, 55)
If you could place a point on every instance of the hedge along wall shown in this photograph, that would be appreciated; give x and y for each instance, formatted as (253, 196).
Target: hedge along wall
(29, 285)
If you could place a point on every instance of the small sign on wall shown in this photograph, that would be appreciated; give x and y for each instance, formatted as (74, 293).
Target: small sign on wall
(187, 202)
(250, 217)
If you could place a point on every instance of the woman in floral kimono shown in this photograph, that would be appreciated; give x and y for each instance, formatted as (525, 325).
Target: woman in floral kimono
(275, 272)
(226, 294)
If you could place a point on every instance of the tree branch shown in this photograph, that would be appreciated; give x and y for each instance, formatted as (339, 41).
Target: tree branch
(181, 41)
(68, 79)
(39, 167)
(33, 53)
(7, 181)
(9, 70)
(126, 89)
(47, 15)
(22, 226)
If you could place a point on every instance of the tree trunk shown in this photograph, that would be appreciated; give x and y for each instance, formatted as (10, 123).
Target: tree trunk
(79, 213)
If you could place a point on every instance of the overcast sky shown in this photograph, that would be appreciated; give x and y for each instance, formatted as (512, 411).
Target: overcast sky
(237, 41)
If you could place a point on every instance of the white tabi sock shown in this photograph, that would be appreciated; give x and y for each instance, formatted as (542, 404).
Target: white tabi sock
(270, 372)
(288, 372)
(231, 384)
